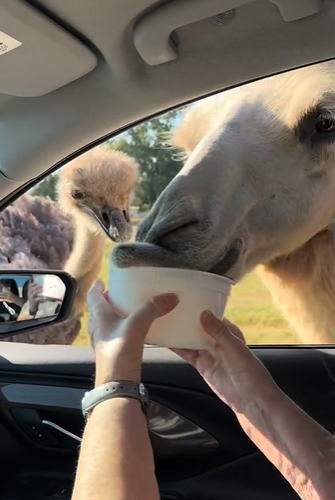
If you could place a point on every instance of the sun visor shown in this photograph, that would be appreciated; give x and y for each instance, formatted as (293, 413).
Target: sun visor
(154, 36)
(36, 55)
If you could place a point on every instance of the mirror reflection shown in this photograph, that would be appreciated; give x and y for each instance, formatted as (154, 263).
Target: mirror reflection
(30, 297)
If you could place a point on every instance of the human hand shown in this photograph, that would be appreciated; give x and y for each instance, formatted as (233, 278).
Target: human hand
(118, 340)
(34, 296)
(229, 367)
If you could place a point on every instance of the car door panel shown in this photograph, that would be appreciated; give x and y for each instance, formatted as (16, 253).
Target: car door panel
(200, 450)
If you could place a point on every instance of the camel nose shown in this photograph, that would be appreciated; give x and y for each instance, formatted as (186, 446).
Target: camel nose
(172, 215)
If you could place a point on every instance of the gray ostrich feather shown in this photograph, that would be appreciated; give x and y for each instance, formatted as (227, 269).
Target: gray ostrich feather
(36, 234)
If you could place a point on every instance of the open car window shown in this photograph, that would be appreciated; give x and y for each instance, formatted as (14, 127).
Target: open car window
(258, 176)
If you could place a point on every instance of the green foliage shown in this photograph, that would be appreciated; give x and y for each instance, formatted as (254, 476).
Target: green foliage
(47, 188)
(158, 163)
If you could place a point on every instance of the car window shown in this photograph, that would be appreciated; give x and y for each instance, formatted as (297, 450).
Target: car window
(259, 179)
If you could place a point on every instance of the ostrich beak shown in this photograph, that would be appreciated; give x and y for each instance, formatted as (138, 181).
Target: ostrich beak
(110, 222)
(114, 222)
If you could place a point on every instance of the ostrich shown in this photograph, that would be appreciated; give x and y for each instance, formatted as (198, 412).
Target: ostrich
(257, 191)
(36, 233)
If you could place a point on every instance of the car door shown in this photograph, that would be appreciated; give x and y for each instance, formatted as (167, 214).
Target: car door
(200, 450)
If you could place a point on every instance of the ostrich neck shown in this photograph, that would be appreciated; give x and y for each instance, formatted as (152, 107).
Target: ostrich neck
(84, 262)
(302, 285)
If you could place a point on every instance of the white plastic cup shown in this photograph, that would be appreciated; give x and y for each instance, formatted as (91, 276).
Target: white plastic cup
(130, 288)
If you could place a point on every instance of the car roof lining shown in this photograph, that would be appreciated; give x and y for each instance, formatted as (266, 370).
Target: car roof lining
(37, 133)
(34, 45)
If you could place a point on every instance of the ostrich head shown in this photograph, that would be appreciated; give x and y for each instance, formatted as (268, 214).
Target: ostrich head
(259, 181)
(97, 188)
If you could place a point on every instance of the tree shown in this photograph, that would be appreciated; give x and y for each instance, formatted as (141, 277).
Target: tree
(47, 188)
(158, 163)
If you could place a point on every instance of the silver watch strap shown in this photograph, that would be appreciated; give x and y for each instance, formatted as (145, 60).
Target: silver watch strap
(119, 389)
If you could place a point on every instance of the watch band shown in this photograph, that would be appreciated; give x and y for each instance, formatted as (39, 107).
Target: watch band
(119, 389)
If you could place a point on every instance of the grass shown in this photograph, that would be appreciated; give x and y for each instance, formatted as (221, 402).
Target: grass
(249, 306)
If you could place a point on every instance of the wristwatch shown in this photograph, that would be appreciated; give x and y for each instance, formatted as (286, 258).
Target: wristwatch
(119, 389)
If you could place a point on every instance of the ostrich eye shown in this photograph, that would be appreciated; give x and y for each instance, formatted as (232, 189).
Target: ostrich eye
(77, 195)
(325, 123)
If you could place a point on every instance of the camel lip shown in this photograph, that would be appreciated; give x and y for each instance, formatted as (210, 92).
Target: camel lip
(161, 230)
(137, 253)
(230, 259)
(162, 240)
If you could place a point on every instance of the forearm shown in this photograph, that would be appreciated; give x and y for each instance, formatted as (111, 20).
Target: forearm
(17, 300)
(116, 460)
(302, 450)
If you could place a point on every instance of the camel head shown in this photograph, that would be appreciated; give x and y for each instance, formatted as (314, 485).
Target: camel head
(258, 183)
(97, 188)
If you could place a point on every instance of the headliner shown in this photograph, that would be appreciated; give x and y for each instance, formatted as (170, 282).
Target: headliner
(39, 134)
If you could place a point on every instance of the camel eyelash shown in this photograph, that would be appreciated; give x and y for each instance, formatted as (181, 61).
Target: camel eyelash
(316, 126)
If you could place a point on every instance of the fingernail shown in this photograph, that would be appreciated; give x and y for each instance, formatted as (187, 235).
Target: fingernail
(99, 284)
(208, 315)
(96, 286)
(165, 301)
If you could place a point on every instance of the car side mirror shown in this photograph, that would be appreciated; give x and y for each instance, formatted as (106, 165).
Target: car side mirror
(30, 299)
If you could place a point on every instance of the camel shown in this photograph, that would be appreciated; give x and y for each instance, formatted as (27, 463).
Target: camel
(257, 190)
(95, 191)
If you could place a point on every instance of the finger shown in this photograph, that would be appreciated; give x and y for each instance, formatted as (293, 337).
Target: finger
(213, 326)
(97, 302)
(95, 296)
(220, 330)
(141, 320)
(234, 330)
(188, 355)
(97, 287)
(232, 348)
(116, 309)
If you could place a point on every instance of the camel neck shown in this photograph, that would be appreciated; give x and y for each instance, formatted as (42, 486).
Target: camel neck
(302, 285)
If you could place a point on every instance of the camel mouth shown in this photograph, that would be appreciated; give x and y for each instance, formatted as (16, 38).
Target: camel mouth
(228, 263)
(167, 239)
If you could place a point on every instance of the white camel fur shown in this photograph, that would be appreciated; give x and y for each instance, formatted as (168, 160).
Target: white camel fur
(257, 190)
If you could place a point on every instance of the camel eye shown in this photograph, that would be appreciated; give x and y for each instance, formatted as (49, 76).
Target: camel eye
(77, 195)
(325, 123)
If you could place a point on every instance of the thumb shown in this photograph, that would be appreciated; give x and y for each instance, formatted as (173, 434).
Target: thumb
(158, 306)
(213, 326)
(221, 329)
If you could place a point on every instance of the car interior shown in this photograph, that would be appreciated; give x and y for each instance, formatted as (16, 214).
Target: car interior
(72, 75)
